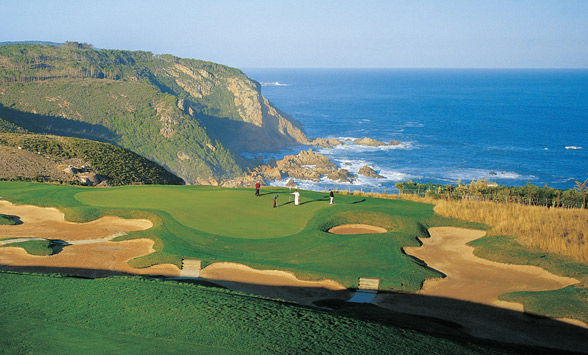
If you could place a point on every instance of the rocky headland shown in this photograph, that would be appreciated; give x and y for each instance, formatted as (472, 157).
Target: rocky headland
(306, 165)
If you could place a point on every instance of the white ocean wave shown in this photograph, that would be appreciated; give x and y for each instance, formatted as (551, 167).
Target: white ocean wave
(397, 176)
(467, 175)
(573, 147)
(275, 83)
(348, 145)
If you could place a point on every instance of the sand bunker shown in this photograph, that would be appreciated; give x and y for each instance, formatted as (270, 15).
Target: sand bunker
(481, 281)
(91, 260)
(90, 253)
(272, 283)
(470, 278)
(50, 223)
(345, 229)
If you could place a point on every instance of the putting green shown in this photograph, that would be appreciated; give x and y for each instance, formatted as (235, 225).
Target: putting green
(230, 213)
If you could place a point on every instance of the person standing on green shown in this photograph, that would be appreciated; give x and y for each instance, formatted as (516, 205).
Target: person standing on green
(275, 201)
(331, 196)
(296, 197)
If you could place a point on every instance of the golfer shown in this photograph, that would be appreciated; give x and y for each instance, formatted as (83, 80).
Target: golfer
(296, 197)
(332, 196)
(257, 186)
(275, 201)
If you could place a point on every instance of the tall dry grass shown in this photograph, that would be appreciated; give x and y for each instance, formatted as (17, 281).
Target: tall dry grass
(557, 230)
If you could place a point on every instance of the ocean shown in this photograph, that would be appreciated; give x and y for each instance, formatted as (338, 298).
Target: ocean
(506, 126)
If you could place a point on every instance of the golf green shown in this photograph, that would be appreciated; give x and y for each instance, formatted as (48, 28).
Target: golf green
(234, 213)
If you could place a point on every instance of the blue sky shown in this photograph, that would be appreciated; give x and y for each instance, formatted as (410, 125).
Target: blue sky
(356, 34)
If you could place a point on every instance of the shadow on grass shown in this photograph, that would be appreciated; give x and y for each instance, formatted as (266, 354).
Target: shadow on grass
(496, 329)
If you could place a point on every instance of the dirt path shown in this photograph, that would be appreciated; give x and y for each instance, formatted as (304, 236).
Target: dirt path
(473, 279)
(272, 283)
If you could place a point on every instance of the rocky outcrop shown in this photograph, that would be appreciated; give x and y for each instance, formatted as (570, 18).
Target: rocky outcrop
(307, 165)
(369, 172)
(370, 142)
(326, 142)
(341, 175)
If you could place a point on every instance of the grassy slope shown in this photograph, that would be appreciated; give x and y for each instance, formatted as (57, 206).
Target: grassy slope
(132, 315)
(117, 165)
(185, 218)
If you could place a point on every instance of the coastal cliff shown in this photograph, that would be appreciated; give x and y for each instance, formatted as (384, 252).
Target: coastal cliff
(192, 117)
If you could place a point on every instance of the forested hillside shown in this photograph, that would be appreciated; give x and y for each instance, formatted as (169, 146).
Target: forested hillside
(192, 117)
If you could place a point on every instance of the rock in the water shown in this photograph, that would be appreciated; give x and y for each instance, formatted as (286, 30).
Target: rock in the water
(369, 172)
(307, 165)
(370, 142)
(341, 175)
(326, 142)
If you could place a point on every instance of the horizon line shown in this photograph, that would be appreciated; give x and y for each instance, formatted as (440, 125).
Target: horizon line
(417, 68)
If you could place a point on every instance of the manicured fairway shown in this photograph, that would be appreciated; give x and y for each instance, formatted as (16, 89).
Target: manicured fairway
(57, 315)
(214, 224)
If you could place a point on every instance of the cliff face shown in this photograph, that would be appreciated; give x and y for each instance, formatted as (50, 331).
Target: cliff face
(192, 117)
(249, 122)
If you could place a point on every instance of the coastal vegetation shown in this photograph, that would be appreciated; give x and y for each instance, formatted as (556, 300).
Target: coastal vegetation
(116, 165)
(482, 190)
(193, 117)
